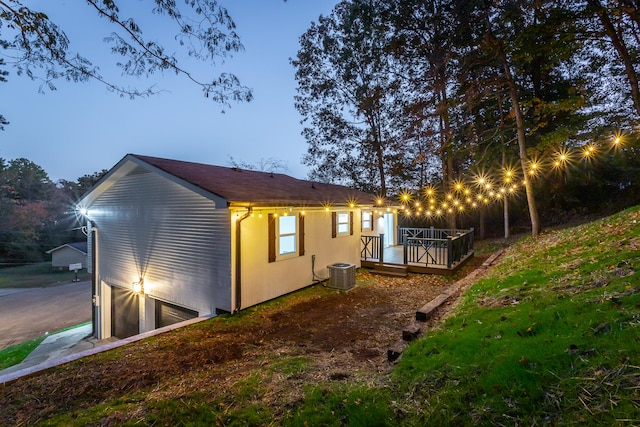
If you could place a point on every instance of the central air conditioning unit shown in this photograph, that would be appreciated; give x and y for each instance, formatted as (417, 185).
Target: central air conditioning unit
(342, 276)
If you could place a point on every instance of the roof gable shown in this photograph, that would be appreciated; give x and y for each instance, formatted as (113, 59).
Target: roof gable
(77, 246)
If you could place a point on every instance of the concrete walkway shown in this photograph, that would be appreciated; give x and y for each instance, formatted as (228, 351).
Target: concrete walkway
(73, 345)
(57, 346)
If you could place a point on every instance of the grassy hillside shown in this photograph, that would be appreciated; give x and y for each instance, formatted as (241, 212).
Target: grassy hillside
(550, 336)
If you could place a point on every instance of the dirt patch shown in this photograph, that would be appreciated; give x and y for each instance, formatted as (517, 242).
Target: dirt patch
(340, 336)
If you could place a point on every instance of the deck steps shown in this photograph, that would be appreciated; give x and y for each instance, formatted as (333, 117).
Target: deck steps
(390, 270)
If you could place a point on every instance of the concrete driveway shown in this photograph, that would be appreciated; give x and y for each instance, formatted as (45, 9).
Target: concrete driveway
(30, 313)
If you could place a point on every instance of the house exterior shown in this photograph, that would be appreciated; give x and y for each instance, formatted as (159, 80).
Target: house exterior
(67, 254)
(171, 240)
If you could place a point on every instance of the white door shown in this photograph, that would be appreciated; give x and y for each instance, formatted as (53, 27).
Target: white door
(389, 230)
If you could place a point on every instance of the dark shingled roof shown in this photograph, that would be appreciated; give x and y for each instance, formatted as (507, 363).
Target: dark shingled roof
(247, 187)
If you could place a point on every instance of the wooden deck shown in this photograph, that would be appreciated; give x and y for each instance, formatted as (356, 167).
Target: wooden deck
(421, 253)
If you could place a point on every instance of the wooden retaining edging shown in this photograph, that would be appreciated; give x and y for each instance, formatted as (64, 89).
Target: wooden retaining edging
(414, 330)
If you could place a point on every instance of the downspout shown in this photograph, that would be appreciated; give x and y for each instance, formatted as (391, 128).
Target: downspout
(238, 260)
(94, 278)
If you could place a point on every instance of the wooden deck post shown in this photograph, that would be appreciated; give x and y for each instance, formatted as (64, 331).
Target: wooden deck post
(472, 231)
(449, 252)
(381, 248)
(405, 248)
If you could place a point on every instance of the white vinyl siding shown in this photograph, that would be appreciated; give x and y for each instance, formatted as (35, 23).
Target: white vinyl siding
(154, 228)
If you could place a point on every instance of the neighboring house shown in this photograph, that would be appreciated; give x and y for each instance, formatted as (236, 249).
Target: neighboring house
(172, 240)
(70, 253)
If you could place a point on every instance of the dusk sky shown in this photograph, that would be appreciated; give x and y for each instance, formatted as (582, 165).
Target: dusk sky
(83, 128)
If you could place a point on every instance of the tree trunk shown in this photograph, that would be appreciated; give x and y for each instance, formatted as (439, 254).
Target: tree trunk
(622, 50)
(445, 131)
(380, 158)
(451, 217)
(504, 167)
(378, 149)
(513, 93)
(506, 217)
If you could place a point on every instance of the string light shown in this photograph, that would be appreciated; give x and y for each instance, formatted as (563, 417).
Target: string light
(588, 151)
(485, 190)
(509, 174)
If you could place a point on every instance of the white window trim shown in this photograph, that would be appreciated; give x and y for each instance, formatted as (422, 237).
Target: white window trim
(338, 223)
(293, 254)
(370, 220)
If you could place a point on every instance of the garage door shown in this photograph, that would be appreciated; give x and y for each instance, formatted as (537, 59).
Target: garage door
(125, 313)
(168, 314)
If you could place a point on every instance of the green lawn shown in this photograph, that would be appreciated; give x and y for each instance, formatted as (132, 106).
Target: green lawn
(37, 275)
(16, 353)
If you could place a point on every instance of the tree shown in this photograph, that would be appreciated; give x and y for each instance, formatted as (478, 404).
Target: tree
(429, 63)
(521, 39)
(347, 96)
(23, 180)
(35, 214)
(3, 79)
(25, 195)
(619, 24)
(72, 191)
(205, 31)
(269, 164)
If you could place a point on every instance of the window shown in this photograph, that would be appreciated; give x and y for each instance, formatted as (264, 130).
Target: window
(343, 223)
(286, 235)
(366, 221)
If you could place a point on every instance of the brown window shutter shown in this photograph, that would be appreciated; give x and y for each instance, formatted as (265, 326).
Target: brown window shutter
(334, 224)
(301, 234)
(272, 237)
(351, 223)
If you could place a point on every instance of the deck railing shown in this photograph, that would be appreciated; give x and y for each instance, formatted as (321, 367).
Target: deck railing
(427, 233)
(372, 248)
(423, 246)
(435, 246)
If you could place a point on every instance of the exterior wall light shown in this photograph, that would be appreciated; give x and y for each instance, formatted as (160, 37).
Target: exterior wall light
(138, 287)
